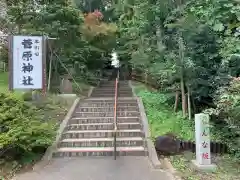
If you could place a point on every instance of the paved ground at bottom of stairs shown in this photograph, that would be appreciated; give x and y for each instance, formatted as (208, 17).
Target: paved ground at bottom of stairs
(97, 168)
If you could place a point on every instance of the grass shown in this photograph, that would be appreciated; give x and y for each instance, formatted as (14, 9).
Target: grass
(162, 120)
(4, 80)
(4, 84)
(227, 169)
(161, 117)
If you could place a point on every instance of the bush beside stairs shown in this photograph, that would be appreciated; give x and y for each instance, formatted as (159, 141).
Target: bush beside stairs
(89, 132)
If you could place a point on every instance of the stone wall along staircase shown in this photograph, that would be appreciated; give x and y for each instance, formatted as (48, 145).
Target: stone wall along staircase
(90, 130)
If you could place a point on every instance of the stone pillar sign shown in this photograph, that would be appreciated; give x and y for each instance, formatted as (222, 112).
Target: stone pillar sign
(202, 134)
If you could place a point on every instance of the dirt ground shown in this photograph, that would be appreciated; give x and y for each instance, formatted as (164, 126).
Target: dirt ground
(227, 169)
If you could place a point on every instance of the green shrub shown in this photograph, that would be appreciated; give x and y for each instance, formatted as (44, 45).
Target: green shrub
(22, 130)
(27, 96)
(154, 99)
(227, 116)
(161, 117)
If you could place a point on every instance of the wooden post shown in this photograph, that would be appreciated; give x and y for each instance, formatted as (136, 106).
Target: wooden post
(146, 77)
(176, 101)
(10, 63)
(189, 103)
(44, 55)
(49, 73)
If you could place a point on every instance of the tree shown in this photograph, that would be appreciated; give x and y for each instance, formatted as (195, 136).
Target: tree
(188, 46)
(62, 19)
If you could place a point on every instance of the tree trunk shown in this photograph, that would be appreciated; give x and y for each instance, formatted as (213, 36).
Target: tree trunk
(189, 103)
(184, 108)
(176, 101)
(146, 77)
(193, 106)
(186, 99)
(160, 46)
(181, 60)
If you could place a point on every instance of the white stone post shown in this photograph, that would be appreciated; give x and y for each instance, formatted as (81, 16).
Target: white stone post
(202, 136)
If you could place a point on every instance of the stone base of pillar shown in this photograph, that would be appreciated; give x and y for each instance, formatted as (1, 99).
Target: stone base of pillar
(205, 168)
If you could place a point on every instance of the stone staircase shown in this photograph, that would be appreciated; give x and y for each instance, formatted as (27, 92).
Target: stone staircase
(90, 130)
(107, 89)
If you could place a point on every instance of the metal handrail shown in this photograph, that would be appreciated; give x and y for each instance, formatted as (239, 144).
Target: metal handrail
(115, 116)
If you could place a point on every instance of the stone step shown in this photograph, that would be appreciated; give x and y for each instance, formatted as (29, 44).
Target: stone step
(111, 92)
(99, 151)
(112, 86)
(103, 126)
(109, 108)
(106, 104)
(108, 88)
(113, 83)
(106, 114)
(102, 133)
(110, 99)
(110, 95)
(83, 120)
(102, 142)
(112, 89)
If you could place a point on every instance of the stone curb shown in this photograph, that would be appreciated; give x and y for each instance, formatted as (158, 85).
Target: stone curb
(90, 91)
(132, 87)
(152, 154)
(49, 152)
(156, 163)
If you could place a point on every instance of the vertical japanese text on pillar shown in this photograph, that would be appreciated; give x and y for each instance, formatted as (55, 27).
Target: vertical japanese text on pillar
(202, 139)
